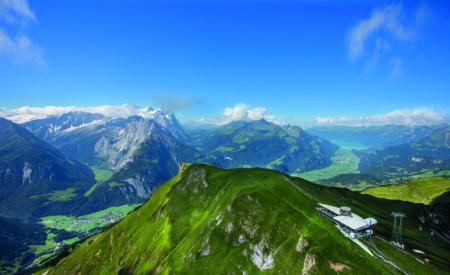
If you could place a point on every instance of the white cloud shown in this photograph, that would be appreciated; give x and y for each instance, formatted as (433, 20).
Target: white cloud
(12, 11)
(18, 47)
(388, 19)
(415, 116)
(176, 103)
(376, 33)
(396, 66)
(26, 113)
(240, 111)
(21, 49)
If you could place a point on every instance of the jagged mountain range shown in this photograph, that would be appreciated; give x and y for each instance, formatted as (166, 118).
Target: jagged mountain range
(143, 152)
(99, 140)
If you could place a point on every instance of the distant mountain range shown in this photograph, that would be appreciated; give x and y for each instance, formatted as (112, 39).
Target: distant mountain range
(260, 143)
(376, 137)
(425, 156)
(141, 153)
(430, 153)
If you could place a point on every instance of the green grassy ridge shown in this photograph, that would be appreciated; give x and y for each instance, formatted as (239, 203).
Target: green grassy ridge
(367, 205)
(210, 220)
(418, 190)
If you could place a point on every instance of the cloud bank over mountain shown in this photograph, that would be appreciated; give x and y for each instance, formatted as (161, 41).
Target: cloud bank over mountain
(26, 113)
(415, 116)
(240, 111)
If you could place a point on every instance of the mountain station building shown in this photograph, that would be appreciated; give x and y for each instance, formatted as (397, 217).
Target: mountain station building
(349, 223)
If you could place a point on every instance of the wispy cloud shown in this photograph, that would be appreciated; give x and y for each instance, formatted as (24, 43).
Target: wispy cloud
(396, 66)
(12, 11)
(240, 111)
(26, 113)
(415, 116)
(20, 49)
(176, 103)
(385, 25)
(18, 46)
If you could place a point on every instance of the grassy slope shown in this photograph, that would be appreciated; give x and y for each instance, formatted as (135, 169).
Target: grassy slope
(344, 161)
(194, 222)
(418, 190)
(101, 175)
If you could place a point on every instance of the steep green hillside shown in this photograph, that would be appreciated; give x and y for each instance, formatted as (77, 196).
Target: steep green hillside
(208, 220)
(35, 178)
(15, 238)
(418, 191)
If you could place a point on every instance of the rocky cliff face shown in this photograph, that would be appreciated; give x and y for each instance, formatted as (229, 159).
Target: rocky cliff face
(118, 149)
(100, 140)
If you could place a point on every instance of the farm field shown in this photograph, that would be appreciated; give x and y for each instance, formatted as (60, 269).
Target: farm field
(344, 162)
(88, 222)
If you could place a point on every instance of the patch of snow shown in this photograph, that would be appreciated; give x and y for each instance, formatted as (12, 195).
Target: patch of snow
(227, 158)
(26, 173)
(416, 159)
(245, 252)
(229, 227)
(301, 244)
(218, 219)
(308, 263)
(262, 260)
(242, 239)
(204, 183)
(205, 252)
(89, 124)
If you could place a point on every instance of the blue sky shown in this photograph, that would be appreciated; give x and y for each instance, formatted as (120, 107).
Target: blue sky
(296, 60)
